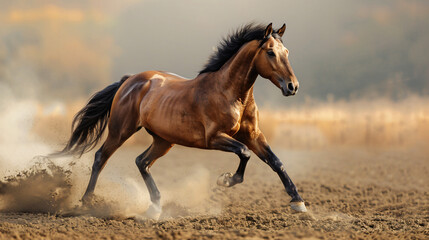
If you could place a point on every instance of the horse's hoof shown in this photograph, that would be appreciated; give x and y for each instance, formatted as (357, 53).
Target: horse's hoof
(298, 206)
(225, 180)
(153, 212)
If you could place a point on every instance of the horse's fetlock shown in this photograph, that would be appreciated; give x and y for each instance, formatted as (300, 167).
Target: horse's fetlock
(155, 197)
(238, 178)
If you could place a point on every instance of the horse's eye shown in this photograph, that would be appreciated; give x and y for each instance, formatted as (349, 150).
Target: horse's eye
(271, 53)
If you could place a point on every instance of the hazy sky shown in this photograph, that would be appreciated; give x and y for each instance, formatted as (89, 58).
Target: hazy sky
(345, 49)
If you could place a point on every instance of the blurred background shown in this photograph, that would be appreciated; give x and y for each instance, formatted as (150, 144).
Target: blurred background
(362, 112)
(363, 66)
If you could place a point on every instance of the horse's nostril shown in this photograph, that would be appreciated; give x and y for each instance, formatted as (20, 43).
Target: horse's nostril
(290, 86)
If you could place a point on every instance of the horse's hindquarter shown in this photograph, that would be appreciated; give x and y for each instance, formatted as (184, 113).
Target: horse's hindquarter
(124, 113)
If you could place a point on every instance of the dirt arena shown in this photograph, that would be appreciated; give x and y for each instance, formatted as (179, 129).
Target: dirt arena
(359, 182)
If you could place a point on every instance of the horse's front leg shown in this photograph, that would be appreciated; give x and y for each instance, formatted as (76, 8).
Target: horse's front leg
(261, 148)
(226, 143)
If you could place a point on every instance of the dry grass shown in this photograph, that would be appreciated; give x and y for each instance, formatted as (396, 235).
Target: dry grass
(378, 123)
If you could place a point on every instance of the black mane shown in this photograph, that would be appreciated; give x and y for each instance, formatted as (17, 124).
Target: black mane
(231, 44)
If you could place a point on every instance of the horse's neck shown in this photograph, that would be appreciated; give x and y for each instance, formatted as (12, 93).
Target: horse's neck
(238, 75)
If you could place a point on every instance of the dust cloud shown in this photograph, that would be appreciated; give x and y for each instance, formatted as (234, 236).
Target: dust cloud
(33, 183)
(29, 183)
(44, 187)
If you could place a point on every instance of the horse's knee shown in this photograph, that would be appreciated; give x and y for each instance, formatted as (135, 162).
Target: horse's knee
(244, 153)
(276, 165)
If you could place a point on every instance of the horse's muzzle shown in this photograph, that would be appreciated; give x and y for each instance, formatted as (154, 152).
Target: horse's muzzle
(288, 89)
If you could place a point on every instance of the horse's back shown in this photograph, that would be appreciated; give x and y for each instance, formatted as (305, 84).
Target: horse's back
(138, 85)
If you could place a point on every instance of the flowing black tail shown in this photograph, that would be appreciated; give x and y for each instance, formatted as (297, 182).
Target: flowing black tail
(91, 121)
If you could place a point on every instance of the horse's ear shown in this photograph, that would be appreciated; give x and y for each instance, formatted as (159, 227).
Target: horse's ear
(268, 30)
(281, 30)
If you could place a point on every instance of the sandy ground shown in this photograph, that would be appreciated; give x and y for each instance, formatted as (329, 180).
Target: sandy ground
(351, 193)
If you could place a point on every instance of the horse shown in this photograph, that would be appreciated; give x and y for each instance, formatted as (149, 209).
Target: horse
(215, 110)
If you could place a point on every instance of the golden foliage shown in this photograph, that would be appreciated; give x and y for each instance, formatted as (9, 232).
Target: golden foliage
(379, 123)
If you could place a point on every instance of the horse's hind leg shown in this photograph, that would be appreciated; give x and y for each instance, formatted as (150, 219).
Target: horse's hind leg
(112, 143)
(144, 161)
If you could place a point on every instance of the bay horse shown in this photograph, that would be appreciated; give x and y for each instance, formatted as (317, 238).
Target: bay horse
(216, 110)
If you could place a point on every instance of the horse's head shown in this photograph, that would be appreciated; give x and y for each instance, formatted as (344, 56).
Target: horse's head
(272, 61)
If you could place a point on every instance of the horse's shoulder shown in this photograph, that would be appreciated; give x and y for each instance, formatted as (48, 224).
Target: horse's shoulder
(250, 109)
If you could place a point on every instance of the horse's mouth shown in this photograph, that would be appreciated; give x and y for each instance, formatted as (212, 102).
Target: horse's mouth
(286, 92)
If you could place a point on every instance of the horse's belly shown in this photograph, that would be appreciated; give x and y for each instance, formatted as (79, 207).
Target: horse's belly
(187, 133)
(174, 121)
